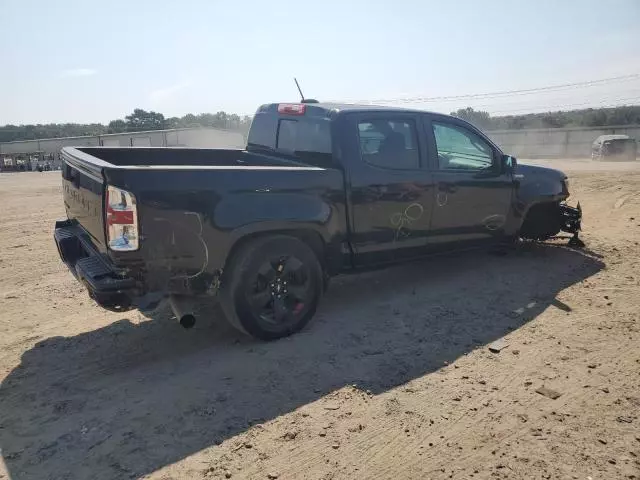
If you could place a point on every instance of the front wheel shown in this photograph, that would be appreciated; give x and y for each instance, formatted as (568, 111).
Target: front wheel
(542, 222)
(271, 287)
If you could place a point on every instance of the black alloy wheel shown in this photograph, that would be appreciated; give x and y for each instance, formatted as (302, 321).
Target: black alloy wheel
(282, 291)
(272, 287)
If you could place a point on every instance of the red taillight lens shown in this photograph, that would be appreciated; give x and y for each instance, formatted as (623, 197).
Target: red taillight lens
(292, 108)
(121, 219)
(116, 217)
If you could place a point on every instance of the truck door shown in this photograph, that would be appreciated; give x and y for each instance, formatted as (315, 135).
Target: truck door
(473, 193)
(391, 189)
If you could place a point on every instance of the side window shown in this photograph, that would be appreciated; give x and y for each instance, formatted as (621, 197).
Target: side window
(389, 143)
(461, 149)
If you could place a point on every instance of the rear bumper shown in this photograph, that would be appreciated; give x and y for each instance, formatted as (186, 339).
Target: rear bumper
(105, 285)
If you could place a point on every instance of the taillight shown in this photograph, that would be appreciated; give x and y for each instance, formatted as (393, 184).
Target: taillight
(292, 108)
(121, 220)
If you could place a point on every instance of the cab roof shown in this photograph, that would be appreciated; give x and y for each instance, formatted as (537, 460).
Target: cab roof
(328, 108)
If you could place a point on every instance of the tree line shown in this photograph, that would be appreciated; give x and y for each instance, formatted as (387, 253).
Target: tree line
(138, 121)
(588, 117)
(141, 120)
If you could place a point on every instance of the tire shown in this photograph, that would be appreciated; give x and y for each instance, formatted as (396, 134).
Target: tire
(271, 287)
(542, 222)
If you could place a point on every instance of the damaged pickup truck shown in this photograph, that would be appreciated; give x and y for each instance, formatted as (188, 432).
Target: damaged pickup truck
(321, 189)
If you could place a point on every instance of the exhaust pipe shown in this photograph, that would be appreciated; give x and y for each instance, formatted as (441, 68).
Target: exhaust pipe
(182, 309)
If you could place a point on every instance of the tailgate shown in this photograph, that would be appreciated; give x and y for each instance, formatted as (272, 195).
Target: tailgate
(83, 189)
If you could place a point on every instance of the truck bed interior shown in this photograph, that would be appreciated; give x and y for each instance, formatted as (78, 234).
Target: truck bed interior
(127, 156)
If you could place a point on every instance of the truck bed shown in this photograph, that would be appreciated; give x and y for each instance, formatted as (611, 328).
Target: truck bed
(193, 203)
(177, 157)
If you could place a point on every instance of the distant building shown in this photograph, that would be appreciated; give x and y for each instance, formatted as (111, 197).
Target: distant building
(48, 149)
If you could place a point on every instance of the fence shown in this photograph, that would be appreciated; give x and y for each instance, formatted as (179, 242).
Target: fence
(184, 137)
(531, 143)
(556, 142)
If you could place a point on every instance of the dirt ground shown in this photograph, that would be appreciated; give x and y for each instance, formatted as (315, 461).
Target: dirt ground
(393, 379)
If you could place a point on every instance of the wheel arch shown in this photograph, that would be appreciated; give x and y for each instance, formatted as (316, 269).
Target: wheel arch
(541, 220)
(306, 234)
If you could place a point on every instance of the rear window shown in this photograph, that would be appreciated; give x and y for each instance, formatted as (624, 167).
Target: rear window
(307, 139)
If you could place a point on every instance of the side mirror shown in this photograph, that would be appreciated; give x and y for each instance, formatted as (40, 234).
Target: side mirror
(508, 163)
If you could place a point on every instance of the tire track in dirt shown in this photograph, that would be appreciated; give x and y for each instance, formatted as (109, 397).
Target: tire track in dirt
(152, 391)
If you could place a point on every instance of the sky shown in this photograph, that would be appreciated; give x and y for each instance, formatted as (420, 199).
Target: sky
(88, 61)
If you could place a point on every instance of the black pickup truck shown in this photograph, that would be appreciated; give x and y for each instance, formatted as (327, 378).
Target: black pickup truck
(320, 189)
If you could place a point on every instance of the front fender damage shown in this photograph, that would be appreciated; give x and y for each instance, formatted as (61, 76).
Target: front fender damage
(545, 221)
(571, 222)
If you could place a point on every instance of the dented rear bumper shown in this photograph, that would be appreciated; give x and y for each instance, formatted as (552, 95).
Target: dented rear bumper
(105, 285)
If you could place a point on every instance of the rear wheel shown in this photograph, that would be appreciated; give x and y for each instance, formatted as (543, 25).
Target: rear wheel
(271, 287)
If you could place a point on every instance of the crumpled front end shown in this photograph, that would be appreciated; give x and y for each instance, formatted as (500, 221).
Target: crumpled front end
(570, 218)
(546, 220)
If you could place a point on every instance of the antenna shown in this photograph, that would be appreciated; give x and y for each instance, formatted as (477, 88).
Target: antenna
(299, 89)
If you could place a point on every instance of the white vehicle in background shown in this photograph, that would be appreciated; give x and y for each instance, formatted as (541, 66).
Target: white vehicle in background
(614, 147)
